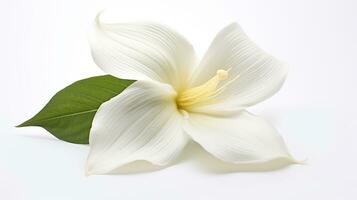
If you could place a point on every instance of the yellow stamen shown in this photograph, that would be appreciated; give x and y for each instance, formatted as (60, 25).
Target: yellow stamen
(205, 92)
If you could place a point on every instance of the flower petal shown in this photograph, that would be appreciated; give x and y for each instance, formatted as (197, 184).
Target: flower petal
(257, 74)
(241, 139)
(141, 123)
(142, 51)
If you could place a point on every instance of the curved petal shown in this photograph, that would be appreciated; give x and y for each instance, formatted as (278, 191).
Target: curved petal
(141, 123)
(241, 139)
(253, 76)
(142, 51)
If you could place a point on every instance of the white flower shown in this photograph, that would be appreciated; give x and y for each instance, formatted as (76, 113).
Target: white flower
(175, 99)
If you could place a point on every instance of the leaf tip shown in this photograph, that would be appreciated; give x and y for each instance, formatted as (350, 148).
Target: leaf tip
(24, 124)
(21, 125)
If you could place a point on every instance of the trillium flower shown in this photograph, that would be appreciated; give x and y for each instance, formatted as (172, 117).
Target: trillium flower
(177, 99)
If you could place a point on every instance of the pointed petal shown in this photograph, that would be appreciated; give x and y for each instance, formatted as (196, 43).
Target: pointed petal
(141, 123)
(142, 51)
(241, 139)
(260, 74)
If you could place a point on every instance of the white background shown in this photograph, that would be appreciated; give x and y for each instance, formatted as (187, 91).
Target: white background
(43, 47)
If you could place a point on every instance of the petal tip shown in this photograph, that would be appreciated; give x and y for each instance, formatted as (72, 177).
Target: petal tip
(87, 173)
(90, 168)
(97, 18)
(300, 162)
(233, 25)
(291, 160)
(87, 170)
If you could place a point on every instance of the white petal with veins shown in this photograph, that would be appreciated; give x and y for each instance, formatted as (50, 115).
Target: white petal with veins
(142, 51)
(241, 139)
(141, 123)
(253, 74)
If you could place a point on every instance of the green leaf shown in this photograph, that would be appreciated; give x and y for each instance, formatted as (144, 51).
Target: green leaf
(69, 114)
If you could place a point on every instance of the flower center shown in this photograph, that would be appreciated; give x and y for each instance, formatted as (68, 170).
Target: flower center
(204, 93)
